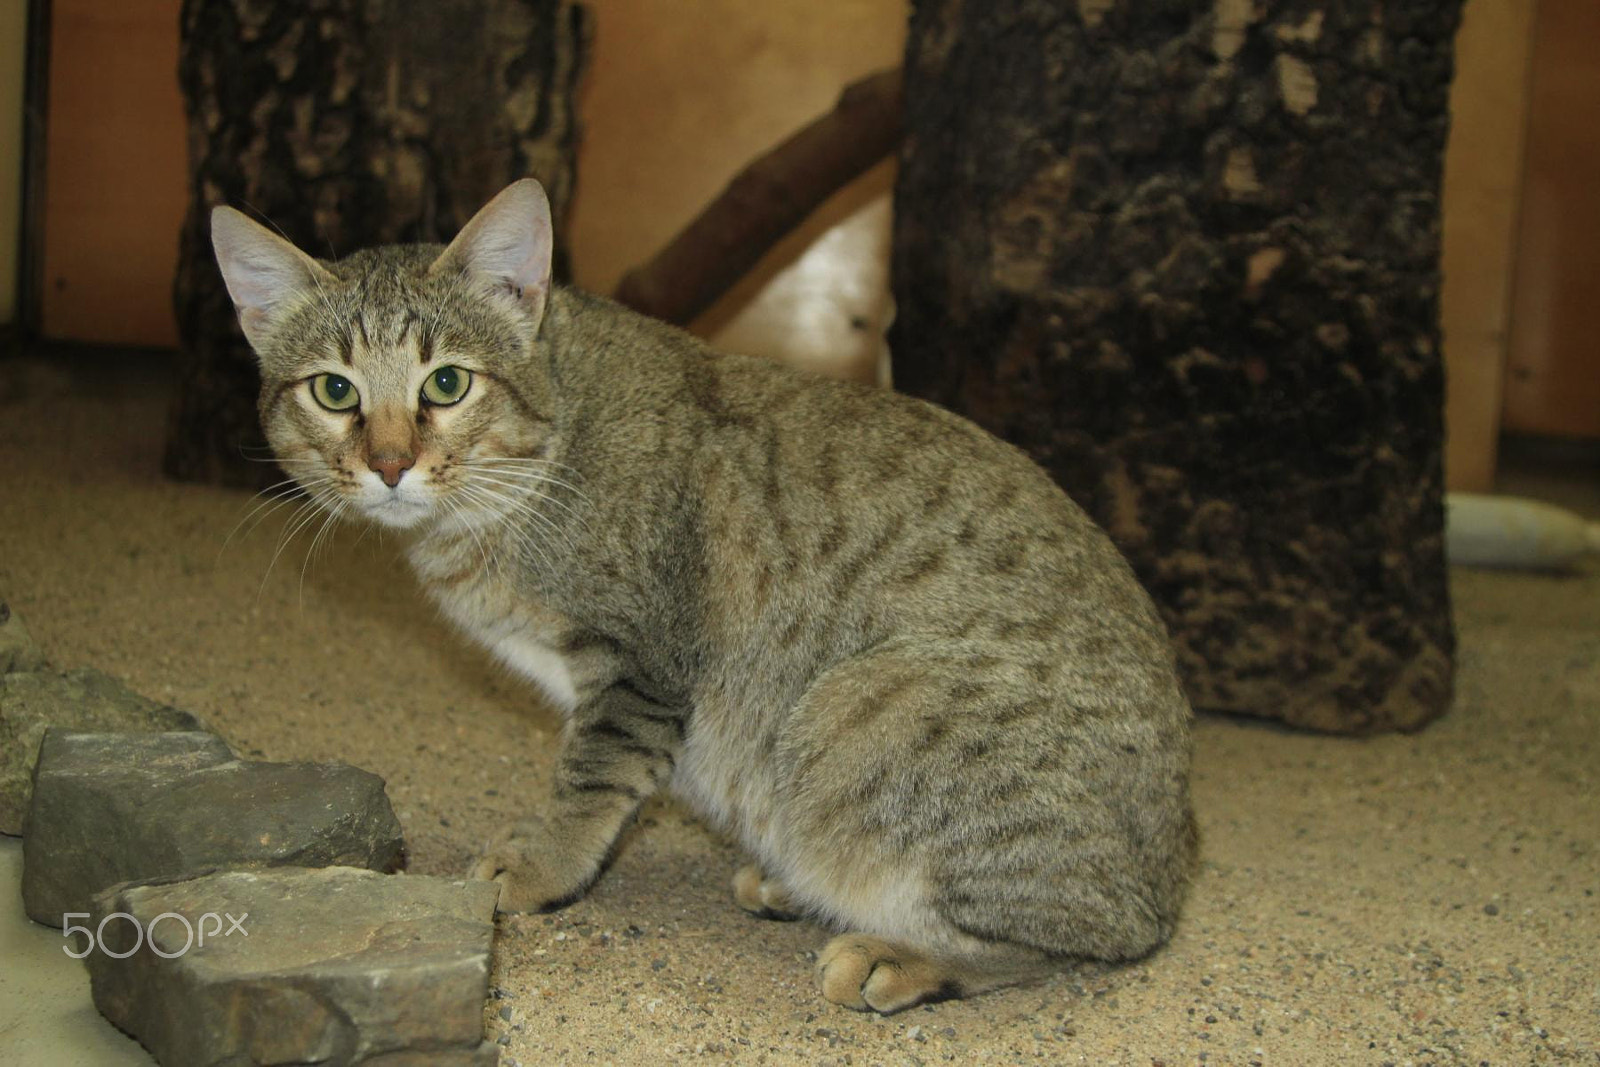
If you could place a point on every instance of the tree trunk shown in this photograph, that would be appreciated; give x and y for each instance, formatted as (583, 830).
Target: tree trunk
(1187, 255)
(347, 123)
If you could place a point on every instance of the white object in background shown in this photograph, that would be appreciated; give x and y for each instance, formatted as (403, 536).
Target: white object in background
(1508, 531)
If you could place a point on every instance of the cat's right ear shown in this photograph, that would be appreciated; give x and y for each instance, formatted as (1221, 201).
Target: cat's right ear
(263, 272)
(509, 243)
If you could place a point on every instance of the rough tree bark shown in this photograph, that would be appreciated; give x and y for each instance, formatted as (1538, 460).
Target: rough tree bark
(1186, 254)
(347, 123)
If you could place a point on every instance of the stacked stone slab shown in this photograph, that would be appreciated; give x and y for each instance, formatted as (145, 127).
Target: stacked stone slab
(329, 966)
(34, 698)
(110, 808)
(231, 911)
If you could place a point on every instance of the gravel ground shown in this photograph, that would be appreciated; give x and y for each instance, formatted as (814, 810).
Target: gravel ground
(1404, 900)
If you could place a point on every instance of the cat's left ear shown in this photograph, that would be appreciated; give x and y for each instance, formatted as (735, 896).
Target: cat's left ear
(508, 242)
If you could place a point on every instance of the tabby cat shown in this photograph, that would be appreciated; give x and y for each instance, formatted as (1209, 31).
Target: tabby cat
(874, 644)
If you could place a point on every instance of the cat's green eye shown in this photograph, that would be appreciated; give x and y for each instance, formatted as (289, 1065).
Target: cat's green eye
(334, 392)
(447, 385)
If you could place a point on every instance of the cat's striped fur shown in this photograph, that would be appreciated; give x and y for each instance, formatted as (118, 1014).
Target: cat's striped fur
(870, 641)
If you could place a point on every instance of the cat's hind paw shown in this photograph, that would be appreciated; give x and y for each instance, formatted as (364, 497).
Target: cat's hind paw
(870, 974)
(763, 897)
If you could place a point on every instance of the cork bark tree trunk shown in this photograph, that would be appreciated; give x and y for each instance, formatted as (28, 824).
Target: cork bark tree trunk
(347, 123)
(1186, 254)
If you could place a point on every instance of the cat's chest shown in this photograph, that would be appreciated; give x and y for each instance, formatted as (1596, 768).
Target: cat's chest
(521, 633)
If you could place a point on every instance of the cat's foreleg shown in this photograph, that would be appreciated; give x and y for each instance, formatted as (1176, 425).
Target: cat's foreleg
(619, 748)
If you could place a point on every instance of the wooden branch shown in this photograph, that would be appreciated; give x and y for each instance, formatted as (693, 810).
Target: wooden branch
(766, 200)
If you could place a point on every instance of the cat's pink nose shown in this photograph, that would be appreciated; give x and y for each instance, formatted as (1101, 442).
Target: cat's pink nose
(391, 467)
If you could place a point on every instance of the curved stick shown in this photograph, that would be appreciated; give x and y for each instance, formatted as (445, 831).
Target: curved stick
(766, 200)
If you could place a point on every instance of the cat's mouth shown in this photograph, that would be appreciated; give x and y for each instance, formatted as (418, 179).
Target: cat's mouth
(396, 510)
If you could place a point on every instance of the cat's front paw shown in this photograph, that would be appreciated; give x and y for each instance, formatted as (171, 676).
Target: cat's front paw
(870, 974)
(534, 871)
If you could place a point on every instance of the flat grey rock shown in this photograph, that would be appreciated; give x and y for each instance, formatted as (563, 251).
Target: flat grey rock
(110, 808)
(17, 650)
(32, 701)
(328, 966)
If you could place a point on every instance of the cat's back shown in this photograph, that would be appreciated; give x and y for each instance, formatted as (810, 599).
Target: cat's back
(835, 515)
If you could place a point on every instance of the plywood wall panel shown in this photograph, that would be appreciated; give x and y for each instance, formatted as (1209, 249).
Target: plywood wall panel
(677, 99)
(13, 45)
(1482, 185)
(115, 173)
(1553, 380)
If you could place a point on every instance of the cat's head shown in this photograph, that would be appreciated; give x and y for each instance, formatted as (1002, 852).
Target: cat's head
(397, 383)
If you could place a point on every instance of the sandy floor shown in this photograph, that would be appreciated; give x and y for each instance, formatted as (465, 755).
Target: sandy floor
(1426, 899)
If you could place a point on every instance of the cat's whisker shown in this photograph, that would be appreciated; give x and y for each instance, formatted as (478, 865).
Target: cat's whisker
(302, 517)
(276, 485)
(516, 484)
(533, 476)
(289, 486)
(294, 481)
(273, 497)
(524, 508)
(498, 523)
(526, 475)
(540, 468)
(285, 498)
(261, 454)
(530, 462)
(267, 454)
(304, 506)
(366, 528)
(525, 537)
(275, 493)
(461, 520)
(322, 531)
